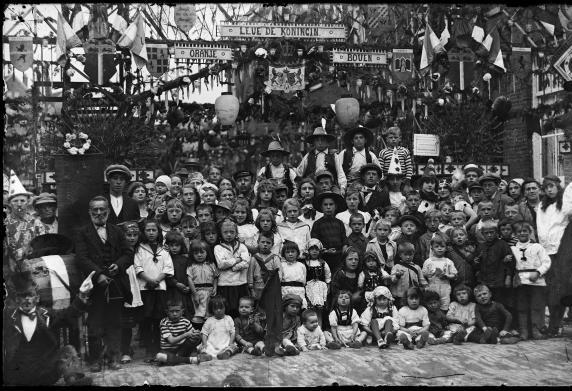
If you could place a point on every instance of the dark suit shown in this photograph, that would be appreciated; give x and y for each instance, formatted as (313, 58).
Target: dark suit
(499, 201)
(129, 211)
(378, 199)
(107, 300)
(35, 362)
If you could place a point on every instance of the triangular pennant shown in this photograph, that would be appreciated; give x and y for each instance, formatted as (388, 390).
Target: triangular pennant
(16, 187)
(395, 164)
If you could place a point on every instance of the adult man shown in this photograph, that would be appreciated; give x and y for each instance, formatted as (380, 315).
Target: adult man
(276, 169)
(101, 247)
(527, 208)
(490, 184)
(472, 174)
(357, 153)
(243, 179)
(122, 208)
(46, 222)
(372, 198)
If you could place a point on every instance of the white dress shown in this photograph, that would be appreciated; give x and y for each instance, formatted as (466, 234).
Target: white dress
(344, 332)
(294, 272)
(218, 332)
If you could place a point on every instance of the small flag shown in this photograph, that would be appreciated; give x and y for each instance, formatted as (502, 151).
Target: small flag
(492, 44)
(65, 39)
(478, 33)
(445, 35)
(547, 19)
(81, 18)
(431, 46)
(134, 39)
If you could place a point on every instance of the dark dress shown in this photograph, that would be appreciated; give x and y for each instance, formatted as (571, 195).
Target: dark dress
(342, 282)
(180, 264)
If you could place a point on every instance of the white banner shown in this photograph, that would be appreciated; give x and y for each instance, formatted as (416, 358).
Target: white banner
(267, 30)
(202, 52)
(361, 57)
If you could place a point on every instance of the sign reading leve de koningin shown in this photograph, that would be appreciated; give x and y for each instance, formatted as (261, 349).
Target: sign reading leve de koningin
(361, 57)
(240, 30)
(202, 52)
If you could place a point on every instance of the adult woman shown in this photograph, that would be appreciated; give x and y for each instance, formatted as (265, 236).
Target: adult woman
(138, 192)
(226, 183)
(171, 219)
(306, 193)
(196, 179)
(444, 191)
(228, 195)
(514, 189)
(555, 235)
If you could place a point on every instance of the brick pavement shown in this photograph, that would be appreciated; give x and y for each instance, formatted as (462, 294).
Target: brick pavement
(530, 363)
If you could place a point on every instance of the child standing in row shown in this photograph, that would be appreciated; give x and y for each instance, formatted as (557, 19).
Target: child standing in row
(266, 223)
(439, 271)
(178, 285)
(318, 278)
(292, 272)
(357, 239)
(372, 276)
(261, 263)
(463, 254)
(202, 278)
(292, 228)
(382, 246)
(406, 274)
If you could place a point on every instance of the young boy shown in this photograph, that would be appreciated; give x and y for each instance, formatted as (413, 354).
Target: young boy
(280, 193)
(439, 328)
(291, 305)
(446, 208)
(222, 210)
(357, 142)
(310, 335)
(412, 202)
(329, 230)
(261, 265)
(492, 320)
(405, 274)
(477, 195)
(204, 213)
(357, 239)
(381, 246)
(410, 233)
(276, 168)
(248, 332)
(178, 337)
(461, 314)
(353, 199)
(432, 222)
(189, 228)
(505, 232)
(485, 212)
(439, 270)
(393, 147)
(324, 181)
(532, 263)
(413, 321)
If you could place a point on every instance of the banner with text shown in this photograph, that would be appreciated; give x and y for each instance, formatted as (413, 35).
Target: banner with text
(269, 30)
(202, 52)
(359, 57)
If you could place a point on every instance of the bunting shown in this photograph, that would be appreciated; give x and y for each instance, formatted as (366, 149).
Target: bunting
(65, 39)
(134, 39)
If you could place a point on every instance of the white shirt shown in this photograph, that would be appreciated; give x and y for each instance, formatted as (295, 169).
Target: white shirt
(102, 232)
(321, 165)
(345, 218)
(277, 173)
(29, 325)
(143, 262)
(116, 203)
(358, 160)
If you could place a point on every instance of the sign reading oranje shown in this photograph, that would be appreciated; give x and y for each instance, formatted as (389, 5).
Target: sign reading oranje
(240, 30)
(202, 52)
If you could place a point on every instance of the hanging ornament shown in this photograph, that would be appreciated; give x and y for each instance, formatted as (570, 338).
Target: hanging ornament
(226, 108)
(487, 77)
(347, 111)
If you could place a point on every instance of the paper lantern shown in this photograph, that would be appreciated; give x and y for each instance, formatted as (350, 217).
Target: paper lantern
(501, 108)
(347, 111)
(226, 108)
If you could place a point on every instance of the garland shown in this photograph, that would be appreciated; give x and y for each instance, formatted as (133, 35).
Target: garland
(77, 143)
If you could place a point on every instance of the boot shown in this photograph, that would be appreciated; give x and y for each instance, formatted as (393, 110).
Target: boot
(523, 326)
(537, 325)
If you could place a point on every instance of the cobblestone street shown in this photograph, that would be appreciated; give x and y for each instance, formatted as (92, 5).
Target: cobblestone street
(530, 363)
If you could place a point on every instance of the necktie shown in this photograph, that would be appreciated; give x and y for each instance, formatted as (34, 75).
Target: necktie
(32, 315)
(102, 233)
(384, 252)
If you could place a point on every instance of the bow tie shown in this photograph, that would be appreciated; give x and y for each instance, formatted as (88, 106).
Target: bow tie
(366, 189)
(32, 315)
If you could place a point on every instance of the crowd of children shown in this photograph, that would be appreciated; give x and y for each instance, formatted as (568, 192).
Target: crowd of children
(361, 255)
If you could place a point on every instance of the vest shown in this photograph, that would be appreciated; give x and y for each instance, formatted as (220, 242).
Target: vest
(371, 281)
(348, 158)
(316, 272)
(344, 318)
(287, 179)
(329, 164)
(379, 315)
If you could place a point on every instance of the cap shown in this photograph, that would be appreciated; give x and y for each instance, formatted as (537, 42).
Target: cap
(490, 178)
(474, 168)
(321, 173)
(119, 168)
(315, 243)
(241, 174)
(164, 179)
(45, 198)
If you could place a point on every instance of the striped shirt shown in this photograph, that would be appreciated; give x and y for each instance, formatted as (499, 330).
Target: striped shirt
(404, 159)
(173, 329)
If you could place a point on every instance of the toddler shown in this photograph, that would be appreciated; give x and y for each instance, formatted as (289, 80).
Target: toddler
(162, 186)
(379, 319)
(372, 276)
(461, 314)
(292, 228)
(310, 335)
(405, 274)
(439, 271)
(291, 304)
(249, 332)
(439, 331)
(318, 278)
(202, 277)
(357, 239)
(178, 337)
(413, 321)
(344, 322)
(261, 265)
(218, 333)
(292, 273)
(383, 247)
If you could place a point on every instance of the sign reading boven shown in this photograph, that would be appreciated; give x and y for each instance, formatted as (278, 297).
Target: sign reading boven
(350, 56)
(267, 30)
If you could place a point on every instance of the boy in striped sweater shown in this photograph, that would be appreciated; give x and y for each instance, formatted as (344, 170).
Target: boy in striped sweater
(392, 140)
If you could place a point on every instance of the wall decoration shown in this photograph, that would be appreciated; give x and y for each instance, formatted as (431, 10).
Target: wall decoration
(287, 79)
(158, 59)
(242, 30)
(185, 16)
(99, 60)
(21, 52)
(402, 65)
(563, 60)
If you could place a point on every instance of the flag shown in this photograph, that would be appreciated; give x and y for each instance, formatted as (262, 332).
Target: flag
(134, 39)
(65, 39)
(565, 16)
(478, 33)
(81, 18)
(431, 46)
(492, 44)
(445, 35)
(547, 19)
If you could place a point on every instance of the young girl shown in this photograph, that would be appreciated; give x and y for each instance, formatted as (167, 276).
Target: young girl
(329, 230)
(428, 196)
(413, 321)
(292, 273)
(202, 278)
(440, 270)
(372, 276)
(190, 198)
(391, 214)
(265, 196)
(346, 277)
(246, 228)
(379, 319)
(344, 321)
(208, 193)
(266, 223)
(461, 315)
(153, 265)
(189, 229)
(382, 246)
(318, 278)
(178, 285)
(232, 259)
(353, 202)
(463, 254)
(446, 208)
(306, 192)
(218, 332)
(292, 228)
(461, 205)
(171, 219)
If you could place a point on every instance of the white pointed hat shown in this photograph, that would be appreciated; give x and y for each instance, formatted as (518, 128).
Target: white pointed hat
(16, 187)
(395, 165)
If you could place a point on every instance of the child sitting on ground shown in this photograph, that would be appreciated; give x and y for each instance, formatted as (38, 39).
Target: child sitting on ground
(310, 335)
(249, 333)
(439, 270)
(218, 333)
(405, 274)
(379, 319)
(413, 321)
(291, 305)
(461, 314)
(178, 337)
(344, 322)
(438, 329)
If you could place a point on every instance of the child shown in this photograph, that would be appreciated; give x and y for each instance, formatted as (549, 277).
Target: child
(477, 194)
(191, 199)
(153, 265)
(246, 228)
(532, 263)
(202, 278)
(280, 194)
(495, 264)
(410, 228)
(412, 202)
(446, 208)
(463, 254)
(178, 286)
(261, 263)
(372, 276)
(204, 213)
(306, 192)
(461, 205)
(189, 228)
(344, 322)
(276, 169)
(249, 333)
(458, 220)
(429, 199)
(162, 185)
(432, 222)
(492, 320)
(357, 239)
(232, 259)
(353, 202)
(218, 333)
(382, 246)
(329, 230)
(393, 147)
(209, 233)
(318, 278)
(208, 193)
(379, 319)
(292, 228)
(438, 328)
(405, 274)
(346, 277)
(485, 212)
(178, 337)
(324, 181)
(266, 223)
(265, 197)
(321, 158)
(505, 232)
(413, 321)
(439, 271)
(221, 210)
(310, 335)
(291, 304)
(461, 314)
(292, 273)
(392, 214)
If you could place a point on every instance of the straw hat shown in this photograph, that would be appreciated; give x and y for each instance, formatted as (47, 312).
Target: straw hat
(275, 146)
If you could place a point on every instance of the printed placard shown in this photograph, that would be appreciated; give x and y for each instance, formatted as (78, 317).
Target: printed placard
(426, 145)
(202, 52)
(240, 30)
(359, 57)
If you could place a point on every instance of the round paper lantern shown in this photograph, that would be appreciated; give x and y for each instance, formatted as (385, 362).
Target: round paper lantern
(347, 111)
(501, 107)
(226, 108)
